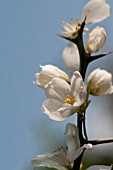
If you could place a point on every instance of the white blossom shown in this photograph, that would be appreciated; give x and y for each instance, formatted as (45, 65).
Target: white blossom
(100, 82)
(47, 73)
(60, 159)
(64, 99)
(71, 57)
(96, 39)
(96, 11)
(71, 30)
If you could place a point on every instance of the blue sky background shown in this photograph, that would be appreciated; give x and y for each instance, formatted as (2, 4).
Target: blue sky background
(28, 38)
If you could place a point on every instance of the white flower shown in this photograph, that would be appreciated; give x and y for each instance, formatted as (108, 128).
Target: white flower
(96, 11)
(96, 39)
(47, 74)
(64, 99)
(60, 159)
(71, 57)
(100, 167)
(71, 30)
(100, 82)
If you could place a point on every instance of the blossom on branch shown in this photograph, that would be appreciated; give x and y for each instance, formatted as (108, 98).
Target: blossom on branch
(47, 73)
(100, 82)
(94, 11)
(60, 159)
(96, 39)
(71, 30)
(64, 99)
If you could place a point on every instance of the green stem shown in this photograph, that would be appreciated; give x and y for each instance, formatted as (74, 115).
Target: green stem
(100, 141)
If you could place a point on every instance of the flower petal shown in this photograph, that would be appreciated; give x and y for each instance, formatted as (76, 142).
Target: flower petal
(68, 27)
(42, 79)
(57, 110)
(80, 150)
(96, 11)
(81, 97)
(76, 83)
(54, 71)
(49, 160)
(57, 89)
(47, 74)
(100, 167)
(72, 140)
(71, 57)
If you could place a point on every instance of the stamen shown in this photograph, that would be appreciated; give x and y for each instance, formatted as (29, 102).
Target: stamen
(61, 149)
(70, 100)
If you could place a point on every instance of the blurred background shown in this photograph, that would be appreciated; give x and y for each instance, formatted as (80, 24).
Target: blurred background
(28, 38)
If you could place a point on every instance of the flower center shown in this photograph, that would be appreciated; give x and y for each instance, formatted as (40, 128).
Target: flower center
(70, 100)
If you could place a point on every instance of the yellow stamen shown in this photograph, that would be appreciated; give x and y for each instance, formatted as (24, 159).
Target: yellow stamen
(70, 100)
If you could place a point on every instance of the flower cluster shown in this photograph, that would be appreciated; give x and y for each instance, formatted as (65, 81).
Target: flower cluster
(67, 96)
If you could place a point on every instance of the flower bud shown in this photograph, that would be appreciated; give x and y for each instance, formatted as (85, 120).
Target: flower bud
(96, 39)
(47, 74)
(100, 82)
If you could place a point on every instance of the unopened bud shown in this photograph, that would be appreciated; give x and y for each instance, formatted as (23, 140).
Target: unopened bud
(100, 82)
(96, 39)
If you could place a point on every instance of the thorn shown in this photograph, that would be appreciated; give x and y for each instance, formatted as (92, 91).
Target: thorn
(84, 21)
(59, 35)
(92, 58)
(106, 53)
(64, 37)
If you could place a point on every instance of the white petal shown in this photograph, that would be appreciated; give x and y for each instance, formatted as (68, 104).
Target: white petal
(81, 97)
(80, 150)
(96, 11)
(57, 110)
(42, 79)
(72, 140)
(48, 160)
(60, 157)
(100, 167)
(54, 71)
(71, 57)
(76, 83)
(105, 90)
(67, 27)
(57, 89)
(92, 74)
(47, 74)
